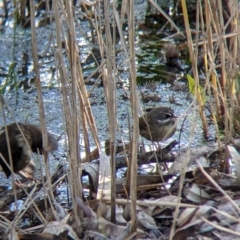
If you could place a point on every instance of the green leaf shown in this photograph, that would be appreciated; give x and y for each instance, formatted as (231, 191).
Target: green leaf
(191, 84)
(200, 90)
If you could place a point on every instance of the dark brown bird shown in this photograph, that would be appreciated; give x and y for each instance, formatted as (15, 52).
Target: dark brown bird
(20, 150)
(157, 124)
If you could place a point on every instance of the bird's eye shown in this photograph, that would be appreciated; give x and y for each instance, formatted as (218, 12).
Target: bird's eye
(167, 115)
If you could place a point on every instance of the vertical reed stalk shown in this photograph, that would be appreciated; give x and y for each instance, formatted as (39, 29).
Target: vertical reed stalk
(70, 103)
(134, 104)
(193, 58)
(110, 88)
(40, 102)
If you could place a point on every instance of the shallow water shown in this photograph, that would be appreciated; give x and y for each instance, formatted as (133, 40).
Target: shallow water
(23, 103)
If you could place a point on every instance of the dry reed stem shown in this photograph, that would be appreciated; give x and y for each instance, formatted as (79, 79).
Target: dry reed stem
(214, 184)
(173, 25)
(135, 106)
(71, 125)
(49, 192)
(73, 105)
(85, 107)
(224, 44)
(193, 58)
(110, 89)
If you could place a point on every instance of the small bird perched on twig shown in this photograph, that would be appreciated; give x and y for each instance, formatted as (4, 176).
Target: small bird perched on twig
(157, 124)
(20, 149)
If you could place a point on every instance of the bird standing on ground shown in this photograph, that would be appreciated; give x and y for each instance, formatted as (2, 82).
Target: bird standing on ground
(157, 124)
(20, 150)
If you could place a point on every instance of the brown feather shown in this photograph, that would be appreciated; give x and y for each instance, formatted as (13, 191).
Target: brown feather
(21, 154)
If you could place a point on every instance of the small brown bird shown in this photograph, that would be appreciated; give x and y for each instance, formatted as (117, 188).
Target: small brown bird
(157, 124)
(20, 150)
